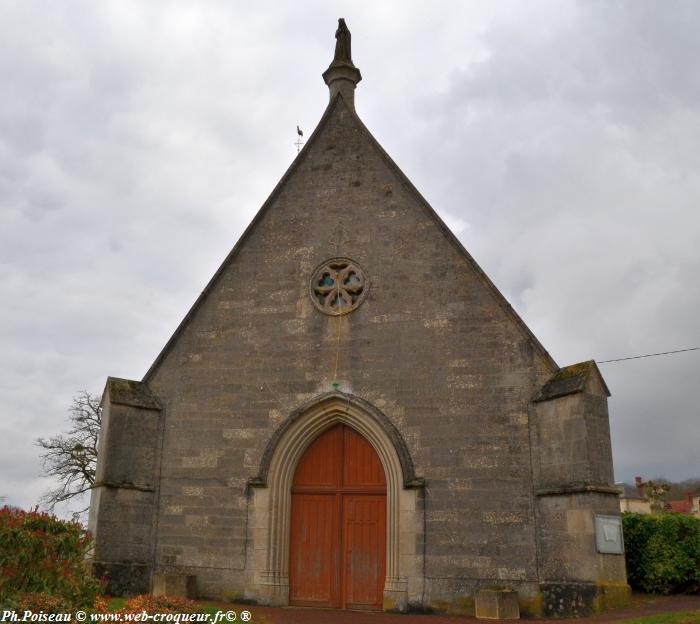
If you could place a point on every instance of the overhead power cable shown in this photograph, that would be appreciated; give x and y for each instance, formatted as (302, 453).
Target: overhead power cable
(648, 355)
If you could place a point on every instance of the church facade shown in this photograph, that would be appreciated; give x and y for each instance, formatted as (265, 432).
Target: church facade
(351, 415)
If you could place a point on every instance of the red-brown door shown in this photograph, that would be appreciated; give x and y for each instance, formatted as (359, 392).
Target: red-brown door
(338, 524)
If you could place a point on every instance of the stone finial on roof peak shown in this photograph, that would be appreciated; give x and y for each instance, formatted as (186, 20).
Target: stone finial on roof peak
(343, 47)
(342, 76)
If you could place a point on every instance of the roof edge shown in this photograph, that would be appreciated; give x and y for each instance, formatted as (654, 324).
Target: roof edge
(449, 234)
(242, 238)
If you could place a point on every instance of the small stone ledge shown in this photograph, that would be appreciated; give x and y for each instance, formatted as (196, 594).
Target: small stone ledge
(578, 488)
(123, 485)
(497, 604)
(416, 483)
(256, 482)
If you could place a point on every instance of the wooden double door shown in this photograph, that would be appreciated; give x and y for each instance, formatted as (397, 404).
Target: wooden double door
(338, 524)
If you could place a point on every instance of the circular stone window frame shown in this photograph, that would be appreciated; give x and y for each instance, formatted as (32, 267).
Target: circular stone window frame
(316, 275)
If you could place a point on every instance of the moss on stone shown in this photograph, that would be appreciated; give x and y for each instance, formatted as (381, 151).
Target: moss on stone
(567, 380)
(612, 596)
(530, 605)
(461, 605)
(582, 369)
(130, 392)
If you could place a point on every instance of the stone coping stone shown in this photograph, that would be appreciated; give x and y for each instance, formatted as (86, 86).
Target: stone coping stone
(130, 392)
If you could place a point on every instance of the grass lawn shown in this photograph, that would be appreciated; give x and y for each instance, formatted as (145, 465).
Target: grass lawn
(688, 617)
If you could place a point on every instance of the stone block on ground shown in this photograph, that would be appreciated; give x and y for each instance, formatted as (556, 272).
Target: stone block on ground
(168, 584)
(497, 604)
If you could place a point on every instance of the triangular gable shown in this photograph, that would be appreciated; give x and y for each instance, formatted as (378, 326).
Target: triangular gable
(403, 179)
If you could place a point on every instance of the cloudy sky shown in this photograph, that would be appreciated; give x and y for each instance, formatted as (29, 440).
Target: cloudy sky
(559, 139)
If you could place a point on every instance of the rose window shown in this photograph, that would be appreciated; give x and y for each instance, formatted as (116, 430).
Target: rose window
(338, 286)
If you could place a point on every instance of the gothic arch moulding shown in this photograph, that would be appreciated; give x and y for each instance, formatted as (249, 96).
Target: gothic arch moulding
(271, 498)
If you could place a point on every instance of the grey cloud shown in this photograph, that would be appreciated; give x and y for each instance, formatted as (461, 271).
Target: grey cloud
(620, 58)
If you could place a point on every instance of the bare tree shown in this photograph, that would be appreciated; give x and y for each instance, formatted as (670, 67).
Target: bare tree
(71, 457)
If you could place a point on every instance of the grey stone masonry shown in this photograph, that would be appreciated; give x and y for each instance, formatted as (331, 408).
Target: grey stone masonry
(123, 498)
(574, 482)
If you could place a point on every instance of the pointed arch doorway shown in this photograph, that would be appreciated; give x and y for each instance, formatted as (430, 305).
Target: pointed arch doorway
(337, 548)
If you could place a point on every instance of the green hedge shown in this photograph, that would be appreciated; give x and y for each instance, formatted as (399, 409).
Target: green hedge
(662, 552)
(42, 561)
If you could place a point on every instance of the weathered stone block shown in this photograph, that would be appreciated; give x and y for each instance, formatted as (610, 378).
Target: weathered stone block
(169, 584)
(612, 596)
(497, 604)
(123, 579)
(568, 599)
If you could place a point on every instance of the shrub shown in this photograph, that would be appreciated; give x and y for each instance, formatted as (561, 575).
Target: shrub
(662, 552)
(42, 562)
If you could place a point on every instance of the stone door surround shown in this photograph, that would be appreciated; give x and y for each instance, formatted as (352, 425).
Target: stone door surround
(270, 510)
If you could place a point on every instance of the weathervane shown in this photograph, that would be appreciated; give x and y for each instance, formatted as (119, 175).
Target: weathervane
(299, 142)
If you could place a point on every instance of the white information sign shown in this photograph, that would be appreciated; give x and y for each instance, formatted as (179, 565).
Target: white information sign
(608, 535)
